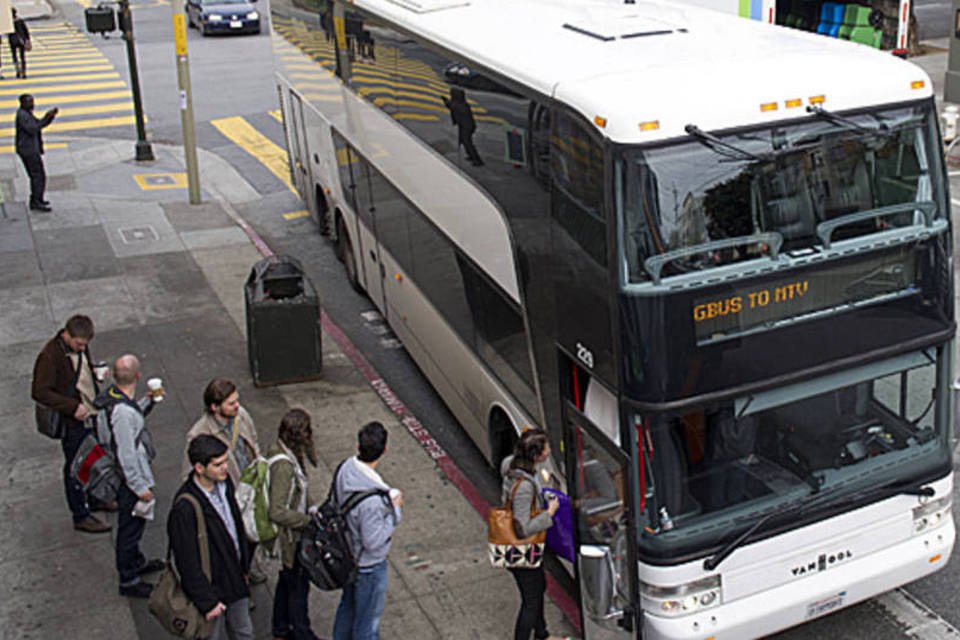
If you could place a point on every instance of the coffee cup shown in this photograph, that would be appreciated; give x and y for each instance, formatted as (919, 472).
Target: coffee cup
(155, 389)
(101, 370)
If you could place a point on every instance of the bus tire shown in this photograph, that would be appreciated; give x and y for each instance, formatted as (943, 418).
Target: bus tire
(503, 437)
(348, 258)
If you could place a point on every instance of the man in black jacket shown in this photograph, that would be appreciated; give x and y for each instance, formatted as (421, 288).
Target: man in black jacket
(29, 144)
(225, 598)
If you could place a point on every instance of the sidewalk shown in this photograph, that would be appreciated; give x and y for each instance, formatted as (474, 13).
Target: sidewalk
(163, 279)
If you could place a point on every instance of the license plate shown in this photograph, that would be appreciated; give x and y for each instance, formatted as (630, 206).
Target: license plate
(826, 605)
(235, 24)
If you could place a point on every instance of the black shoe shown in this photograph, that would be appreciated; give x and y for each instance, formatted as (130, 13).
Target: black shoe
(139, 590)
(91, 525)
(109, 505)
(152, 566)
(40, 207)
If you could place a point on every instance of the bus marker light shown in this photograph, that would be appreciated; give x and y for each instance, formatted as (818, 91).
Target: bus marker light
(818, 99)
(652, 125)
(793, 104)
(600, 121)
(398, 277)
(935, 558)
(918, 84)
(768, 106)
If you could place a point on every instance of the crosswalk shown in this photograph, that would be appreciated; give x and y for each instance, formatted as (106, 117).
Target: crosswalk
(65, 70)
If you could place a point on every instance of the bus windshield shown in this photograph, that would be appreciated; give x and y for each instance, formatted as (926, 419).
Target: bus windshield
(713, 471)
(786, 180)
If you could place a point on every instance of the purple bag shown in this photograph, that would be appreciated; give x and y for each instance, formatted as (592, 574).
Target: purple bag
(560, 535)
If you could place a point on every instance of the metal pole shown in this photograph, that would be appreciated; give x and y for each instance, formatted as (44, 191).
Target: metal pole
(952, 89)
(144, 150)
(186, 100)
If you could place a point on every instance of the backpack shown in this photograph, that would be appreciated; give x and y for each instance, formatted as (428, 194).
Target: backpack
(324, 551)
(95, 464)
(253, 498)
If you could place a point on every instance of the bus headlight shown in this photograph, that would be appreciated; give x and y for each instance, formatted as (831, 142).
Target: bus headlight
(681, 599)
(931, 515)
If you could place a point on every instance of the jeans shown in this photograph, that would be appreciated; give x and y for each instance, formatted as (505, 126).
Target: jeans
(234, 623)
(129, 531)
(361, 605)
(532, 584)
(76, 498)
(291, 617)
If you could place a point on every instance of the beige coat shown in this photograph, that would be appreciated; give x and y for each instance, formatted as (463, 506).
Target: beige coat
(208, 425)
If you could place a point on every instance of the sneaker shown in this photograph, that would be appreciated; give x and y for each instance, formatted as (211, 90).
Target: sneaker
(40, 207)
(152, 566)
(90, 524)
(139, 590)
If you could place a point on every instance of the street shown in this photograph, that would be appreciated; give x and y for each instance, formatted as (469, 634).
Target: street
(240, 133)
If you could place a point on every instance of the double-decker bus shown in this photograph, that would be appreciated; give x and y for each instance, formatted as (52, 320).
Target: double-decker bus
(712, 258)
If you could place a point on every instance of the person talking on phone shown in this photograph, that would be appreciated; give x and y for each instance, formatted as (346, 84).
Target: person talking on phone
(531, 450)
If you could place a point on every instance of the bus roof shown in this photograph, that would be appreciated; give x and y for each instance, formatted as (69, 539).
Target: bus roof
(652, 62)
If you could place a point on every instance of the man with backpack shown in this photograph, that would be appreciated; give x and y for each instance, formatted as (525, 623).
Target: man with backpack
(223, 597)
(121, 427)
(370, 523)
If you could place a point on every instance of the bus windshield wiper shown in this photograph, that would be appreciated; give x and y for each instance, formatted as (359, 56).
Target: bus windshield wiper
(841, 121)
(724, 148)
(813, 500)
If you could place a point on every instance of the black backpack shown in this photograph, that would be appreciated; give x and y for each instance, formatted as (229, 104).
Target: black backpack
(324, 550)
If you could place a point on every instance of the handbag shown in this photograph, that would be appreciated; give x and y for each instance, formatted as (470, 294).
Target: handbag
(506, 550)
(48, 422)
(560, 535)
(27, 45)
(169, 604)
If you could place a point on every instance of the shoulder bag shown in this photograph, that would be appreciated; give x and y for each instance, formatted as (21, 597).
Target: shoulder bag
(48, 422)
(506, 550)
(169, 604)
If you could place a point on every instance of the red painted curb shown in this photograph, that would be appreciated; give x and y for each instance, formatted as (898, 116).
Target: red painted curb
(567, 605)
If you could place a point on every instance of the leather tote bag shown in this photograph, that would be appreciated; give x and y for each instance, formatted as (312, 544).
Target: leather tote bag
(506, 550)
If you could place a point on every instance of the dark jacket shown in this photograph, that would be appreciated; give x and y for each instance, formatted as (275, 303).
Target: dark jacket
(55, 380)
(228, 584)
(20, 33)
(29, 140)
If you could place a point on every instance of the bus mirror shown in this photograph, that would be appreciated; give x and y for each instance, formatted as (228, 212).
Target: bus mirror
(597, 585)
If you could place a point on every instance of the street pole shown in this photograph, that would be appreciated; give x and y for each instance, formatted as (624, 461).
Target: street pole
(186, 100)
(952, 87)
(144, 151)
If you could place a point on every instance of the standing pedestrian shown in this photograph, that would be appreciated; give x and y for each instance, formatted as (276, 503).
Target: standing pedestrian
(520, 471)
(461, 115)
(64, 381)
(29, 144)
(19, 42)
(224, 599)
(224, 419)
(371, 524)
(120, 423)
(288, 510)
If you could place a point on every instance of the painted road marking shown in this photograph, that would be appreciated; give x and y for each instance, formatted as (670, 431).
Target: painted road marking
(919, 620)
(79, 125)
(296, 215)
(154, 181)
(276, 115)
(241, 133)
(77, 97)
(47, 146)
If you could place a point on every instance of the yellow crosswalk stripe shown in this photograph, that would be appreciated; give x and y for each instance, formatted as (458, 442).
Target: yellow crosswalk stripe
(78, 125)
(31, 82)
(241, 133)
(70, 69)
(74, 98)
(276, 115)
(64, 89)
(47, 146)
(70, 112)
(56, 63)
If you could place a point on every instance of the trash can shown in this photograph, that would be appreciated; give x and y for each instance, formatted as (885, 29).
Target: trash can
(283, 323)
(100, 19)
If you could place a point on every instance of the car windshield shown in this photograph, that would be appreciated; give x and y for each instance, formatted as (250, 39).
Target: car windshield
(714, 470)
(781, 182)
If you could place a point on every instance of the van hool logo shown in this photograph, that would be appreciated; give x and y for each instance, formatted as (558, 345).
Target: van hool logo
(824, 561)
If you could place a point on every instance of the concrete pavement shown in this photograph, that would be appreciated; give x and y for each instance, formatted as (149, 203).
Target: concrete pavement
(163, 279)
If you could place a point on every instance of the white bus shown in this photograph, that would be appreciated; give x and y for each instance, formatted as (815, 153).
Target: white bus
(711, 257)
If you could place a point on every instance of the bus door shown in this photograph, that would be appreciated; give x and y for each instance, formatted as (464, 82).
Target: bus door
(300, 162)
(599, 479)
(369, 250)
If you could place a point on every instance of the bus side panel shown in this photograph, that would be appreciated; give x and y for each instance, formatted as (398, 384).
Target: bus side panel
(323, 161)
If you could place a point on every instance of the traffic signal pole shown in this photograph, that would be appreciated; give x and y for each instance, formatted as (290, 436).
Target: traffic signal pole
(186, 99)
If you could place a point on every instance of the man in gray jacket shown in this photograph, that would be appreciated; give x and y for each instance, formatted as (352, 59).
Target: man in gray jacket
(120, 425)
(29, 145)
(371, 524)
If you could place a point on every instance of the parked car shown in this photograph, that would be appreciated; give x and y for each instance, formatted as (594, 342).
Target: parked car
(223, 16)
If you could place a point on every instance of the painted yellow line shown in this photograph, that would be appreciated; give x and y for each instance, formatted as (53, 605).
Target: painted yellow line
(415, 116)
(63, 89)
(241, 133)
(65, 69)
(47, 146)
(70, 112)
(91, 58)
(31, 83)
(295, 215)
(276, 115)
(63, 56)
(79, 125)
(72, 98)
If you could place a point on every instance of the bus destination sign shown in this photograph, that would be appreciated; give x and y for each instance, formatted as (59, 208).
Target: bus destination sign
(752, 307)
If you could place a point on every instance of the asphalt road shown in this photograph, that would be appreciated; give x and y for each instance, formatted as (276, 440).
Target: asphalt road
(233, 76)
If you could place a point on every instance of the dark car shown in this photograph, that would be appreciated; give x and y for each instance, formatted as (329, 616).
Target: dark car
(223, 16)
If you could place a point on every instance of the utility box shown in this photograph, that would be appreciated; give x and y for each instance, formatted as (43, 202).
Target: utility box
(100, 19)
(283, 323)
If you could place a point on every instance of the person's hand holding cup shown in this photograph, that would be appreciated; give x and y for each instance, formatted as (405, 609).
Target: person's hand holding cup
(101, 370)
(553, 503)
(396, 497)
(155, 389)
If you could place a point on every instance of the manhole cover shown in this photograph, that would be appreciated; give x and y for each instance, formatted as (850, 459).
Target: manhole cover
(136, 235)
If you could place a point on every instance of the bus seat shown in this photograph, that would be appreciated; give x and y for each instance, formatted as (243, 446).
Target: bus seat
(853, 192)
(790, 212)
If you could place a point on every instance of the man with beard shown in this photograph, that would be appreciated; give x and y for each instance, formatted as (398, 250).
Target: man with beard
(224, 419)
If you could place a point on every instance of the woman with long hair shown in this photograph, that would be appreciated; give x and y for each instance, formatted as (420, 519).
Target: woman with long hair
(288, 510)
(520, 470)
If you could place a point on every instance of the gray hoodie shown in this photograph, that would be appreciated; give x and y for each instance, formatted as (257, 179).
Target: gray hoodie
(528, 493)
(131, 442)
(371, 523)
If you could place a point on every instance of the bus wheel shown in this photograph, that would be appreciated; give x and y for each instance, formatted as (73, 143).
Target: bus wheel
(323, 210)
(349, 261)
(503, 437)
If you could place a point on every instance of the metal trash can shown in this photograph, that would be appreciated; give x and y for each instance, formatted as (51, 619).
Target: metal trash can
(100, 19)
(283, 323)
